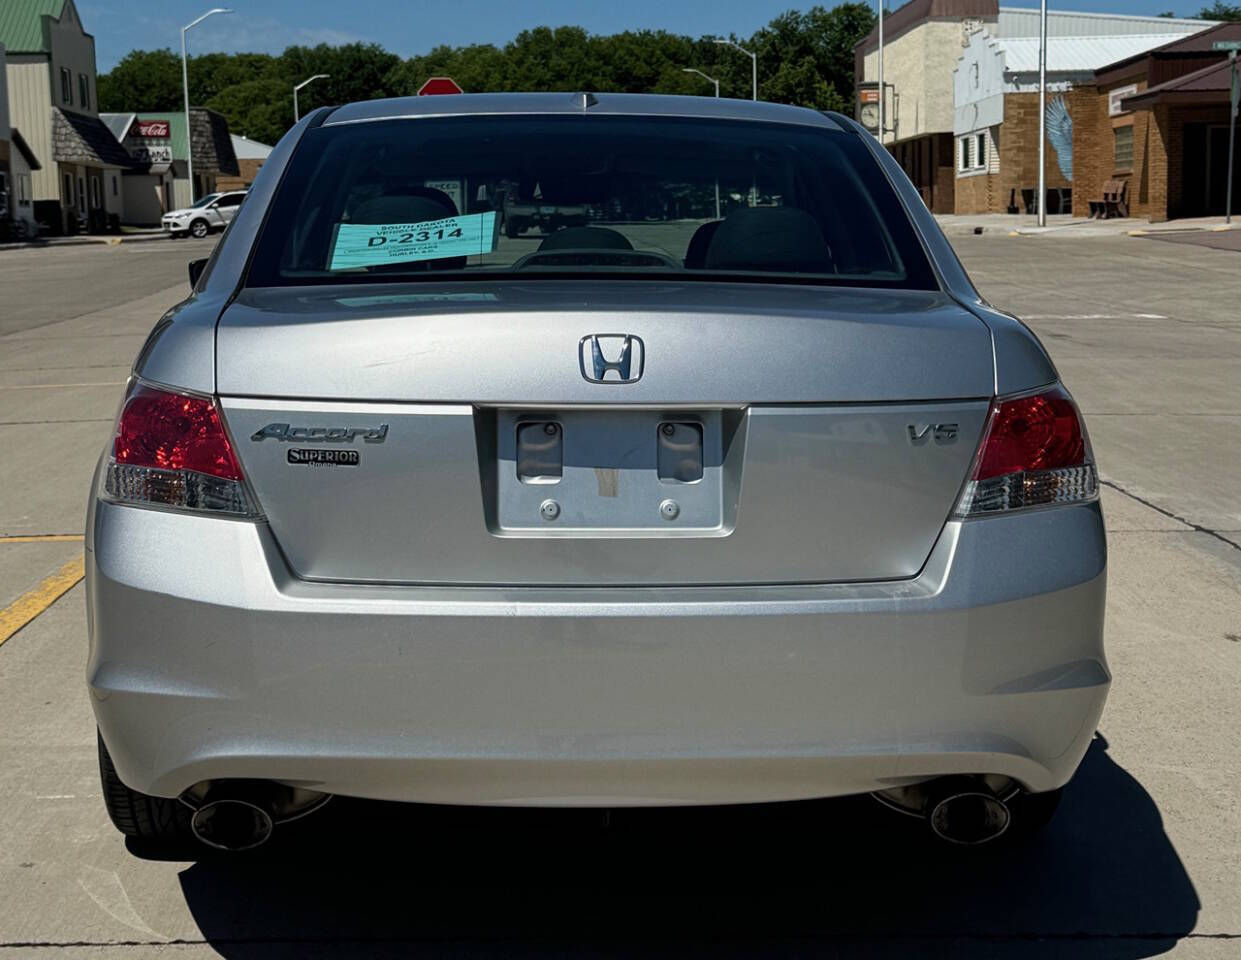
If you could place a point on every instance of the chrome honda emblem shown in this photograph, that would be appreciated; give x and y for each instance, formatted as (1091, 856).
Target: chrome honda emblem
(601, 354)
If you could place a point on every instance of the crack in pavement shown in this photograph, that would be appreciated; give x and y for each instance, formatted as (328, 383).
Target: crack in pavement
(1172, 516)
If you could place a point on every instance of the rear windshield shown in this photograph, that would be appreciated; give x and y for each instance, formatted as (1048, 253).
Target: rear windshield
(485, 196)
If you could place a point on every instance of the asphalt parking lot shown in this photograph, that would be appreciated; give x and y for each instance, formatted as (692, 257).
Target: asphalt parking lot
(1144, 858)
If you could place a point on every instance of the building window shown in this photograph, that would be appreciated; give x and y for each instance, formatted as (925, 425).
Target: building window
(84, 91)
(1122, 147)
(23, 188)
(66, 86)
(96, 193)
(972, 153)
(67, 199)
(82, 196)
(114, 188)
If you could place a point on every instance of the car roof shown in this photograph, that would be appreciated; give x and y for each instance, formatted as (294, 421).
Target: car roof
(593, 104)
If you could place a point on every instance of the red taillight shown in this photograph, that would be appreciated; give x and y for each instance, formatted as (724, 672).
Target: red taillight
(1041, 432)
(1033, 453)
(171, 450)
(173, 432)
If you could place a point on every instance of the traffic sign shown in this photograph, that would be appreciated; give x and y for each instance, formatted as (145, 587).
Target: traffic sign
(439, 85)
(1226, 45)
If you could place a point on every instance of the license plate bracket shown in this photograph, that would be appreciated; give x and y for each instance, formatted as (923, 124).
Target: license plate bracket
(609, 473)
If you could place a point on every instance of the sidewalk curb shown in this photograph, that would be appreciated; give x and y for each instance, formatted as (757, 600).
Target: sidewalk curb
(109, 240)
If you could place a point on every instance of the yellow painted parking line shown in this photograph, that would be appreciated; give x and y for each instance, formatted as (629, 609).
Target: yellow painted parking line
(33, 602)
(46, 538)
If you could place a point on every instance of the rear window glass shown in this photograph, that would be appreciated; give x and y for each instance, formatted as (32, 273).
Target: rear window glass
(477, 197)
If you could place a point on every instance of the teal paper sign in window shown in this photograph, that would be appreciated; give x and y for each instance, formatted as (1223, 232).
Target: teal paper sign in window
(357, 245)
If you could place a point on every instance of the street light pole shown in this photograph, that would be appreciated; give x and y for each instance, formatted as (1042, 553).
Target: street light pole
(882, 94)
(1042, 115)
(318, 76)
(1234, 95)
(704, 76)
(753, 65)
(717, 93)
(185, 86)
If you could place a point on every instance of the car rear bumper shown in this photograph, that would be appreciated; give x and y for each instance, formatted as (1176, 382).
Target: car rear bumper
(208, 659)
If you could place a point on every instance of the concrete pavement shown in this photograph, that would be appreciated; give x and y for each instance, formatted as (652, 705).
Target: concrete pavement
(1143, 859)
(1066, 226)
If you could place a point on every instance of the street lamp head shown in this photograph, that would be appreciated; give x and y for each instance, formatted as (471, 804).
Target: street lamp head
(211, 12)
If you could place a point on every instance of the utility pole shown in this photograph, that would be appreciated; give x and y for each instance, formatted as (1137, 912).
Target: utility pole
(185, 86)
(1042, 115)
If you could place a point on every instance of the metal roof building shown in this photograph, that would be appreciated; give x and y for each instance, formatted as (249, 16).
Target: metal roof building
(1024, 22)
(1076, 54)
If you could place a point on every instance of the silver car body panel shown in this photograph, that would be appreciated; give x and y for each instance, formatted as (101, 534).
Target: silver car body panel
(388, 631)
(1020, 362)
(810, 494)
(706, 344)
(217, 661)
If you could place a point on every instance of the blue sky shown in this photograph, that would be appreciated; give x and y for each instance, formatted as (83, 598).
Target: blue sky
(407, 27)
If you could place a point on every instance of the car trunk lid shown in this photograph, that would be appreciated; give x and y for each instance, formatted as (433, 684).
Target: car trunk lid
(449, 434)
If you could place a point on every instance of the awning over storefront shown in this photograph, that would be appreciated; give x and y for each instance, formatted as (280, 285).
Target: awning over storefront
(79, 138)
(1208, 85)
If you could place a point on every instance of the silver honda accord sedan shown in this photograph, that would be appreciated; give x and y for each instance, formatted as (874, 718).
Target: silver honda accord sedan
(712, 481)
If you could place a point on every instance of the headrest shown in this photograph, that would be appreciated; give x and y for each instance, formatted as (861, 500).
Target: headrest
(586, 238)
(769, 238)
(696, 252)
(412, 204)
(405, 205)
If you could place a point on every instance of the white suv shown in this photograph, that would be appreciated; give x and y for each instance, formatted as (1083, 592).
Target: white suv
(212, 212)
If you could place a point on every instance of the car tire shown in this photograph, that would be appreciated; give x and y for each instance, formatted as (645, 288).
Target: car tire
(199, 229)
(160, 821)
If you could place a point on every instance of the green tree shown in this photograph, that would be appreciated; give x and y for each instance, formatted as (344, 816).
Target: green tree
(143, 80)
(1220, 11)
(803, 58)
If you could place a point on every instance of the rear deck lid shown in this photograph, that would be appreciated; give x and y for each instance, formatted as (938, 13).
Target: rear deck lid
(450, 434)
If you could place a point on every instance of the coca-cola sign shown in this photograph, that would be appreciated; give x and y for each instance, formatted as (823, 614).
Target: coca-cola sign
(152, 129)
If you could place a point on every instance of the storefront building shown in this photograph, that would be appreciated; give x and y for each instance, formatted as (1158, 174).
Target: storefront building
(159, 150)
(1158, 123)
(923, 42)
(996, 115)
(251, 155)
(76, 176)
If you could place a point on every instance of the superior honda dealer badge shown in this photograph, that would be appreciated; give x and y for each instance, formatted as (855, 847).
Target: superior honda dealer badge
(325, 458)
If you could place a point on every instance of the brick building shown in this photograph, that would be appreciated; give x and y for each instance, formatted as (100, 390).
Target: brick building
(1159, 122)
(996, 120)
(924, 39)
(251, 155)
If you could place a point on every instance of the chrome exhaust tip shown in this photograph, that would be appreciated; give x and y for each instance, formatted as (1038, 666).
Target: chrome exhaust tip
(236, 815)
(967, 813)
(232, 824)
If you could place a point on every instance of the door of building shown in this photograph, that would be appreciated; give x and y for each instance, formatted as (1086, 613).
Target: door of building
(1217, 170)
